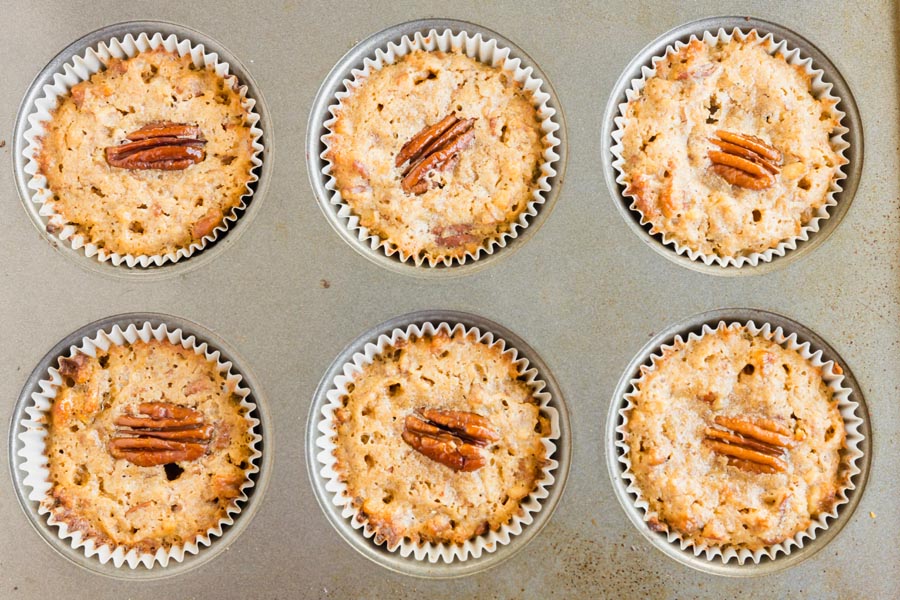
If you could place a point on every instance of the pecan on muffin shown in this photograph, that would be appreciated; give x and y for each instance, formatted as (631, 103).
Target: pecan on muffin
(436, 154)
(148, 156)
(148, 446)
(734, 440)
(726, 150)
(439, 440)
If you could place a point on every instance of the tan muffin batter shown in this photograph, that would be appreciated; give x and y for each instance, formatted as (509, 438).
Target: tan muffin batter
(737, 87)
(116, 502)
(403, 493)
(146, 212)
(470, 202)
(693, 489)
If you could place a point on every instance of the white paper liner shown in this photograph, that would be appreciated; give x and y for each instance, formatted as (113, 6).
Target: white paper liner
(483, 50)
(820, 90)
(35, 464)
(847, 469)
(429, 551)
(80, 68)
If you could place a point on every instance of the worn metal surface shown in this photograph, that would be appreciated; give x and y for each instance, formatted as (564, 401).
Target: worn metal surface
(585, 292)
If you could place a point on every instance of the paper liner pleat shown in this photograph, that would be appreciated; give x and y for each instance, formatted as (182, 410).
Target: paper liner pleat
(80, 68)
(486, 51)
(34, 460)
(821, 90)
(434, 552)
(847, 470)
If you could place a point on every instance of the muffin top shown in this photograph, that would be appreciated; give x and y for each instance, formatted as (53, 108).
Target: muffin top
(149, 155)
(726, 149)
(148, 446)
(734, 441)
(438, 440)
(437, 153)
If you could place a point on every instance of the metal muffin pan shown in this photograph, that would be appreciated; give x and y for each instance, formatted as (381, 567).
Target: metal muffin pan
(586, 291)
(378, 552)
(732, 568)
(218, 544)
(92, 40)
(851, 121)
(325, 99)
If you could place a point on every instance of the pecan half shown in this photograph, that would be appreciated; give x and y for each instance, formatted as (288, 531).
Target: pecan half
(435, 148)
(756, 446)
(450, 437)
(744, 160)
(73, 367)
(164, 146)
(160, 433)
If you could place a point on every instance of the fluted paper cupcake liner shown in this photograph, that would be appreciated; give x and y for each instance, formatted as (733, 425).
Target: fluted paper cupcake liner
(80, 68)
(820, 90)
(833, 377)
(486, 51)
(35, 463)
(434, 552)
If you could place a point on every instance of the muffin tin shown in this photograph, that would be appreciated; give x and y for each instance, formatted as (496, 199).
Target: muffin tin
(585, 292)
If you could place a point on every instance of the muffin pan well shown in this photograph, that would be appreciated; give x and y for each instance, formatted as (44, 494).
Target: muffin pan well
(443, 564)
(856, 469)
(25, 433)
(477, 42)
(819, 228)
(69, 66)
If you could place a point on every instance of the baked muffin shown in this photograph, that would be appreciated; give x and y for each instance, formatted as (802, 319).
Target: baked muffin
(436, 153)
(438, 440)
(734, 441)
(148, 446)
(726, 150)
(149, 155)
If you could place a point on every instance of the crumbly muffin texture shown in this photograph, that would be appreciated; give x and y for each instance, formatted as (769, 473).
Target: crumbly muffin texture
(696, 492)
(146, 212)
(478, 199)
(119, 503)
(402, 493)
(738, 87)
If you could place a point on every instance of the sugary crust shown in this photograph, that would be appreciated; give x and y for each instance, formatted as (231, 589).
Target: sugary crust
(738, 87)
(146, 212)
(116, 502)
(693, 490)
(476, 200)
(402, 493)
